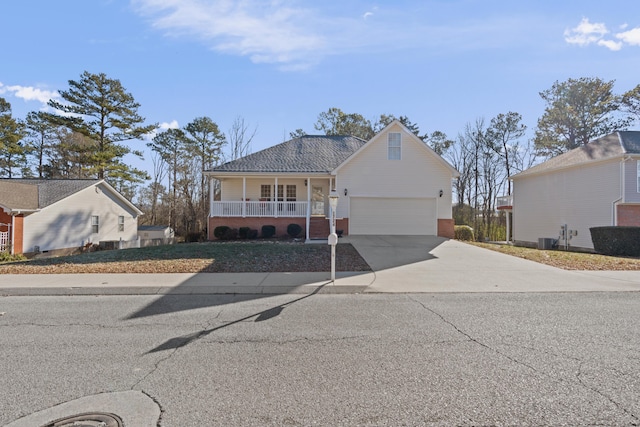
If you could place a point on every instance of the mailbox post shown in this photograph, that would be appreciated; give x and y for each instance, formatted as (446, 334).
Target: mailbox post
(333, 237)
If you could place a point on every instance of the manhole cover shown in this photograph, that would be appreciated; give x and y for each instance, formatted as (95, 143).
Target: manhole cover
(90, 419)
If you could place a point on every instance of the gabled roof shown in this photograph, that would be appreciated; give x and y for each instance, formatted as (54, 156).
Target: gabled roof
(423, 145)
(306, 154)
(610, 146)
(32, 194)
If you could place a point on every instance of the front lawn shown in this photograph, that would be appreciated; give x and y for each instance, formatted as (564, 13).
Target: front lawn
(209, 257)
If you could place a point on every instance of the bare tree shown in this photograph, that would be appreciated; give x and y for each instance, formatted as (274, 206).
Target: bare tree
(239, 139)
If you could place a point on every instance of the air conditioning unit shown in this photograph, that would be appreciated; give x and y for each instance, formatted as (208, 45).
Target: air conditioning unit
(545, 242)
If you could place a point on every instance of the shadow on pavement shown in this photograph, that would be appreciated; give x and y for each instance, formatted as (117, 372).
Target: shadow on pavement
(178, 342)
(384, 252)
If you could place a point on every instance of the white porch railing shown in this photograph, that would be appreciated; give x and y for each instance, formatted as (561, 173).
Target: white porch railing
(256, 209)
(4, 241)
(504, 201)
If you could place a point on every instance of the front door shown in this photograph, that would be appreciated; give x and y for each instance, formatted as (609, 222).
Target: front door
(317, 200)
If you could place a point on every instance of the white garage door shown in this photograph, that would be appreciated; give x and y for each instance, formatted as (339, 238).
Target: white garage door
(391, 216)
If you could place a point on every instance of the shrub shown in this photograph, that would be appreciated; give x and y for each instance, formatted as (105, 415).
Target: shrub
(294, 230)
(252, 234)
(194, 236)
(243, 232)
(220, 230)
(268, 231)
(230, 234)
(463, 232)
(615, 241)
(7, 257)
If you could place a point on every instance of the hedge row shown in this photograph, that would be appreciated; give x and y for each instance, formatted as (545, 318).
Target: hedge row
(223, 232)
(616, 240)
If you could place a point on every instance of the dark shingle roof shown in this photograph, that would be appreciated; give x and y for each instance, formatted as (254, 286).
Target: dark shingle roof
(309, 153)
(49, 191)
(607, 147)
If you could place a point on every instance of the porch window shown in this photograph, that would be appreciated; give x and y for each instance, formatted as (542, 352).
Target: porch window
(265, 192)
(95, 224)
(121, 223)
(291, 193)
(280, 193)
(394, 145)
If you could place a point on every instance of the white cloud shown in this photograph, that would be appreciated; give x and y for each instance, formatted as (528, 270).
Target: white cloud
(267, 32)
(610, 44)
(631, 37)
(585, 33)
(29, 93)
(171, 125)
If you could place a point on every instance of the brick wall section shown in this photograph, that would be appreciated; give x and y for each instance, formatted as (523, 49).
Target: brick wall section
(629, 215)
(445, 228)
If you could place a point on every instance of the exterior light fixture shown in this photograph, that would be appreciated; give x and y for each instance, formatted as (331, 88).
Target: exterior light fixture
(345, 191)
(441, 193)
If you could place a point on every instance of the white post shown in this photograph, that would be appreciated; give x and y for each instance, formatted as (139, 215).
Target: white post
(333, 237)
(244, 197)
(308, 219)
(507, 212)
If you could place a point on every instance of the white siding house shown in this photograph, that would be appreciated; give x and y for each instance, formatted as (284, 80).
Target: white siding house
(392, 184)
(70, 214)
(593, 185)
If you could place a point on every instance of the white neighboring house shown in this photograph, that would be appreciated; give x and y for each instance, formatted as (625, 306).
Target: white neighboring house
(60, 216)
(597, 184)
(392, 184)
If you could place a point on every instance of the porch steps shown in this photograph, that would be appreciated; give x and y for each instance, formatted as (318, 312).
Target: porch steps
(319, 228)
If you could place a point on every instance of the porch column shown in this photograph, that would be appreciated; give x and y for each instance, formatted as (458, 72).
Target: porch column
(308, 219)
(244, 197)
(275, 199)
(211, 195)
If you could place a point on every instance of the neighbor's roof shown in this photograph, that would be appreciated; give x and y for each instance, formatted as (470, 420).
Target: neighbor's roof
(28, 193)
(609, 146)
(306, 154)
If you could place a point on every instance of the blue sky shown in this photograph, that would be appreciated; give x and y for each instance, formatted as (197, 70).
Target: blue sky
(279, 63)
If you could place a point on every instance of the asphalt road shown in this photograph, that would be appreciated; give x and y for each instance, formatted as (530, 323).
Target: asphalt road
(368, 360)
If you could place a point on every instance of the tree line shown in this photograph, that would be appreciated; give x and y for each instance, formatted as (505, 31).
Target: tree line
(87, 134)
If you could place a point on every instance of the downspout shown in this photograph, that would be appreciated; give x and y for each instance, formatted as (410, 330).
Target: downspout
(308, 219)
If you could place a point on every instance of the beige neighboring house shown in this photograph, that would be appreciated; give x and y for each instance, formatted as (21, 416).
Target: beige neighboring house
(597, 184)
(393, 184)
(59, 216)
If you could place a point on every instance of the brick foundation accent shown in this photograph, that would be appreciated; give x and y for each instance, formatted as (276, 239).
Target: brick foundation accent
(445, 228)
(629, 215)
(281, 224)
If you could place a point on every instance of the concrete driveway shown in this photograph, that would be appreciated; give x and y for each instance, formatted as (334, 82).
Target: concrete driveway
(434, 264)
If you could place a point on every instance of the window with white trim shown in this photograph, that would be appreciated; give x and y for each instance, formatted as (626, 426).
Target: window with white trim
(265, 192)
(394, 145)
(291, 193)
(121, 223)
(95, 224)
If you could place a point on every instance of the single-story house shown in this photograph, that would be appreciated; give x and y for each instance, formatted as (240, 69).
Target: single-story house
(58, 216)
(597, 184)
(393, 184)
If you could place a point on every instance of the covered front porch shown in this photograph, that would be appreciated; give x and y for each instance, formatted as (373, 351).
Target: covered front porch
(253, 201)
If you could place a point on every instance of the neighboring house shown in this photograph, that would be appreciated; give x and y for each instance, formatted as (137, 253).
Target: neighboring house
(597, 184)
(60, 215)
(392, 184)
